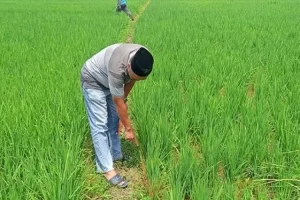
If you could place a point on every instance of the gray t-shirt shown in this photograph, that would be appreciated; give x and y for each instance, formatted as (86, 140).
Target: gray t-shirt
(108, 68)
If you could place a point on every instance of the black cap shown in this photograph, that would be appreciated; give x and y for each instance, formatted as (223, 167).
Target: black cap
(142, 62)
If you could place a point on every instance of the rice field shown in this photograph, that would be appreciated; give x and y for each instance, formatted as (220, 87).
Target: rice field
(217, 119)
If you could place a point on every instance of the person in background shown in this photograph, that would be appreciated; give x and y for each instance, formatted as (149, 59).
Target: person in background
(122, 6)
(106, 80)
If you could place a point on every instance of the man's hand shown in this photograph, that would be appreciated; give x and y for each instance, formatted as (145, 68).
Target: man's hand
(130, 136)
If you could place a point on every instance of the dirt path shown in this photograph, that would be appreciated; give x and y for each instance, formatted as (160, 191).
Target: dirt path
(129, 36)
(131, 170)
(95, 186)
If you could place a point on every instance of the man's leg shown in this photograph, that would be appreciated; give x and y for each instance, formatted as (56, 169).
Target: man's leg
(113, 123)
(96, 105)
(126, 10)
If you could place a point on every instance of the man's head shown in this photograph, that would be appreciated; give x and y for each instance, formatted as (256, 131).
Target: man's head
(141, 65)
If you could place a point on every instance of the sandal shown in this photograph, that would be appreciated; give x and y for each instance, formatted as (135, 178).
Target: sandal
(119, 181)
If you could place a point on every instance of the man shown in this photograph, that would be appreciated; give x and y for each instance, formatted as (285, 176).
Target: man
(122, 6)
(106, 79)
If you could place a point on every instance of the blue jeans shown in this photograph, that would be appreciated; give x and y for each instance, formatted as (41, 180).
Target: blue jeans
(103, 120)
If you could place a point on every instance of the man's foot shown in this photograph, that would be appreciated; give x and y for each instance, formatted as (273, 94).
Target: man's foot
(115, 179)
(110, 174)
(118, 181)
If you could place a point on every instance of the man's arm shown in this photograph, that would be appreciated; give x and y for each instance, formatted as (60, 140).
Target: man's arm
(121, 108)
(117, 89)
(127, 87)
